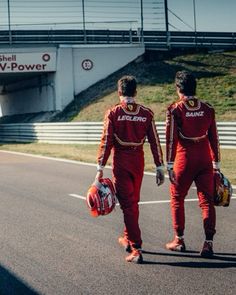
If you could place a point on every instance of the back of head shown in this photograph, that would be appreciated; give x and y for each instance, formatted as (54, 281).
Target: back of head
(186, 83)
(127, 86)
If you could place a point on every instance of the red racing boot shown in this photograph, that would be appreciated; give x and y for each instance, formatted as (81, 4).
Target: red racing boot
(176, 245)
(124, 242)
(135, 256)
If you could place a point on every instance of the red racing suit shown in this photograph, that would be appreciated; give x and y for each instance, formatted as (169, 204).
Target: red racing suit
(192, 148)
(126, 127)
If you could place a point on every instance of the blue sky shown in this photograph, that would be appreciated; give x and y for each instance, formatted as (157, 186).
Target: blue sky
(211, 15)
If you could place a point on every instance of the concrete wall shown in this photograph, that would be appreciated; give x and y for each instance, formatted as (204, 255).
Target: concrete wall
(63, 78)
(72, 77)
(106, 60)
(77, 68)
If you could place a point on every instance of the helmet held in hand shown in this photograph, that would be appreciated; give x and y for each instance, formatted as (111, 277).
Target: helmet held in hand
(223, 190)
(101, 197)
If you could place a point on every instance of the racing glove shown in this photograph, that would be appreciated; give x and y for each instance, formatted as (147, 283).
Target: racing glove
(99, 174)
(171, 173)
(160, 175)
(216, 167)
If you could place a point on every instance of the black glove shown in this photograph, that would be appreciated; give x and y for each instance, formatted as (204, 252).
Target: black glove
(160, 175)
(171, 173)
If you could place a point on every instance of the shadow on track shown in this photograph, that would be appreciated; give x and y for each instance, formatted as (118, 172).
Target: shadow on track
(10, 284)
(227, 260)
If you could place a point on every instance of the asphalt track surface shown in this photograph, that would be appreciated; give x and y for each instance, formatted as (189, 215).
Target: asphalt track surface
(51, 245)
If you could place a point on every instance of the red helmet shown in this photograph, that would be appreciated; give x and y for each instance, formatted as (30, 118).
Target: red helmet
(101, 197)
(223, 190)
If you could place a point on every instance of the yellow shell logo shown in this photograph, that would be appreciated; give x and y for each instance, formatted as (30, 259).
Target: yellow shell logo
(130, 107)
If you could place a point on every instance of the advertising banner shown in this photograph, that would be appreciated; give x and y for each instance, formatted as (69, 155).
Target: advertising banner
(27, 62)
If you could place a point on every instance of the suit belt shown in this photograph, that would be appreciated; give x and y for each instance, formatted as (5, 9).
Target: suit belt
(194, 139)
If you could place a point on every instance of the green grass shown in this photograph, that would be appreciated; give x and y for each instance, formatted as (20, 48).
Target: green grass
(87, 153)
(216, 76)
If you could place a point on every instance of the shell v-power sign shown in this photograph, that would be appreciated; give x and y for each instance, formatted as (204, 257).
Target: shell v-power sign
(27, 62)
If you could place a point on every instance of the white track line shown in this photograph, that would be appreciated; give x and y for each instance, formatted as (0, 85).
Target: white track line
(74, 162)
(233, 195)
(77, 196)
(66, 161)
(168, 201)
(163, 201)
(141, 202)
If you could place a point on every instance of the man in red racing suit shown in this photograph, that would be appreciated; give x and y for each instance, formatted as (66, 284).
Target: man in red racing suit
(192, 151)
(126, 127)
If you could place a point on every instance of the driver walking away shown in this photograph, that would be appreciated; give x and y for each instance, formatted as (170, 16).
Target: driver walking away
(126, 126)
(193, 154)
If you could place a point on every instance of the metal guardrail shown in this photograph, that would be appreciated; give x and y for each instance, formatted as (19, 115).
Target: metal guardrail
(151, 39)
(87, 133)
(180, 39)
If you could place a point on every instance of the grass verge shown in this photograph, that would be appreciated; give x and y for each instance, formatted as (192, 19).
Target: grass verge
(87, 153)
(216, 79)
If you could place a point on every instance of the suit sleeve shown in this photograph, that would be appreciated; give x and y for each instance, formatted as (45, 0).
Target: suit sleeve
(214, 141)
(154, 141)
(106, 142)
(171, 136)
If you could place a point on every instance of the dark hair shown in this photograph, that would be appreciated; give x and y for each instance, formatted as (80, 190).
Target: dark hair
(186, 82)
(127, 86)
